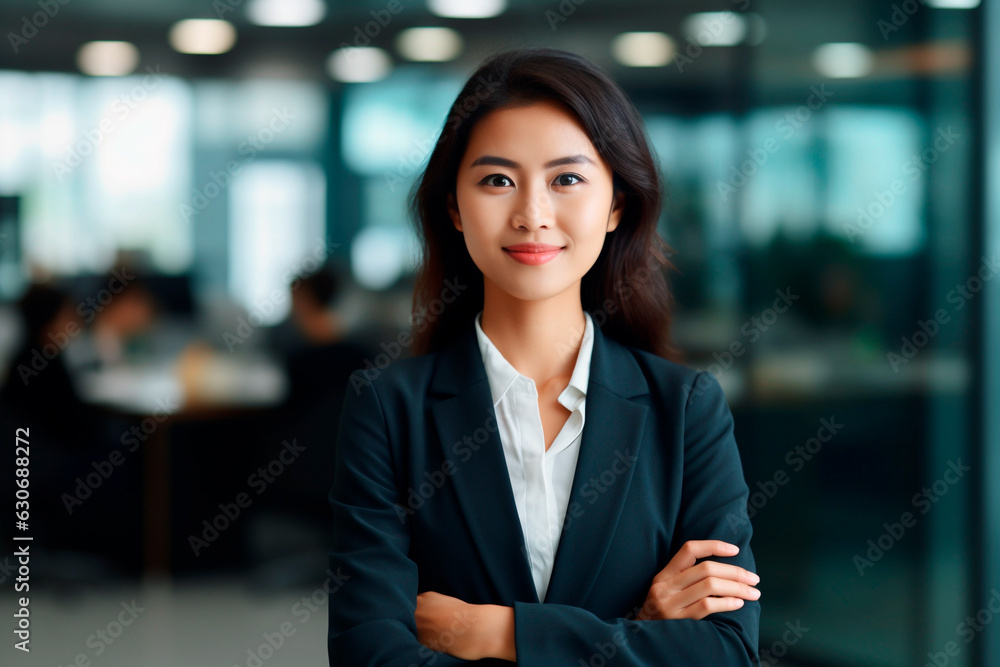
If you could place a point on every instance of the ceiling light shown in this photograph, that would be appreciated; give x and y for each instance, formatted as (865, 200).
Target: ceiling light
(467, 9)
(202, 36)
(715, 28)
(843, 60)
(286, 13)
(952, 4)
(429, 44)
(107, 58)
(358, 64)
(643, 49)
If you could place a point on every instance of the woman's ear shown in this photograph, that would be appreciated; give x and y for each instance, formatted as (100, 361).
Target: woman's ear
(617, 210)
(456, 219)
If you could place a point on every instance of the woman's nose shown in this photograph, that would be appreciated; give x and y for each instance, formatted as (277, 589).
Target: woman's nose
(533, 211)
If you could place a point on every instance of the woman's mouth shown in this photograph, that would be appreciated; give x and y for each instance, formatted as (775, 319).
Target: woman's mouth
(532, 253)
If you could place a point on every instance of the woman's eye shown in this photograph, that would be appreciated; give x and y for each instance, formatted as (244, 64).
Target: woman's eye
(560, 179)
(496, 180)
(501, 181)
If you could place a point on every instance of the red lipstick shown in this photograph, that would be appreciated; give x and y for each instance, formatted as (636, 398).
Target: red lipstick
(532, 253)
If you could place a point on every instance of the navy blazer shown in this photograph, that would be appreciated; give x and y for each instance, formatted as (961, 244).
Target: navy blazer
(422, 501)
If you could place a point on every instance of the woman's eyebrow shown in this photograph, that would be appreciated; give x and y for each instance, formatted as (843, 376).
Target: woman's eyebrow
(504, 162)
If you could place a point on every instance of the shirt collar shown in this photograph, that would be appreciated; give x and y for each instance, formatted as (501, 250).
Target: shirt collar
(502, 375)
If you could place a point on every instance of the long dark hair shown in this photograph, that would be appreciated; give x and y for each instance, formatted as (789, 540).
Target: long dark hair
(625, 291)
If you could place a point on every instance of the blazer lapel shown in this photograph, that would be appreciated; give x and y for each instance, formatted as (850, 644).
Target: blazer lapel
(612, 435)
(466, 422)
(612, 430)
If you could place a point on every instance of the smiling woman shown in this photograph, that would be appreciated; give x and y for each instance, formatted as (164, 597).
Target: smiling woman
(534, 197)
(581, 495)
(560, 111)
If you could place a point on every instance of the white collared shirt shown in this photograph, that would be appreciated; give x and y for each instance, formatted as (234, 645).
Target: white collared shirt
(541, 480)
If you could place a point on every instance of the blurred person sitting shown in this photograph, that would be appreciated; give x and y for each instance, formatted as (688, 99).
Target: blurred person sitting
(72, 510)
(325, 353)
(119, 312)
(318, 369)
(39, 385)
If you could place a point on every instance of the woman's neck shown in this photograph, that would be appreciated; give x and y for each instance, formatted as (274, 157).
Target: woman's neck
(540, 339)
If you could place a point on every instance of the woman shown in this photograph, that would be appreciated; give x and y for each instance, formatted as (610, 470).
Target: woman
(540, 483)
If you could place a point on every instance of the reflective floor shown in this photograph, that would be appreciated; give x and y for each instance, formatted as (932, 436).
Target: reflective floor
(213, 622)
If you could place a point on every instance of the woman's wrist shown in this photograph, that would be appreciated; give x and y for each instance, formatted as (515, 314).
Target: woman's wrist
(498, 626)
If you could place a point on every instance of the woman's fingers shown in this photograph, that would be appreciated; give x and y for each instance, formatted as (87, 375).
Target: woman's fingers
(666, 600)
(706, 606)
(714, 587)
(686, 588)
(690, 552)
(710, 568)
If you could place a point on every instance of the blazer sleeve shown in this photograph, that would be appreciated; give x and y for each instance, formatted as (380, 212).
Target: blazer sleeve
(371, 615)
(714, 506)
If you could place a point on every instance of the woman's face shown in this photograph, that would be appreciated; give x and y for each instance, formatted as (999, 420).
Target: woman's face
(530, 174)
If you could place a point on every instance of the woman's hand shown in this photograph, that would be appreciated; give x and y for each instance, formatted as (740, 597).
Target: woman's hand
(467, 631)
(685, 590)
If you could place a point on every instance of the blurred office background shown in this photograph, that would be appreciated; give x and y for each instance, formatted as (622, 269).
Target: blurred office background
(203, 231)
